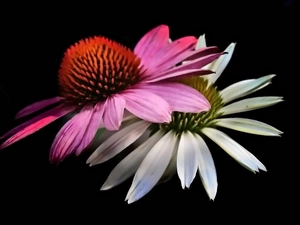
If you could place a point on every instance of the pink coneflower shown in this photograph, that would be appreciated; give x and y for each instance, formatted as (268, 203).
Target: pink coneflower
(100, 78)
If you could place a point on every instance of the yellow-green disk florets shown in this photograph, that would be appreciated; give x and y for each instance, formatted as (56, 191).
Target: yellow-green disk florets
(194, 122)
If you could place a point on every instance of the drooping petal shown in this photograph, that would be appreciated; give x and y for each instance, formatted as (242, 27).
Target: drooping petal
(73, 133)
(187, 159)
(93, 128)
(171, 169)
(201, 44)
(147, 106)
(181, 98)
(118, 142)
(245, 87)
(151, 43)
(250, 104)
(114, 110)
(129, 165)
(187, 56)
(207, 168)
(248, 126)
(35, 124)
(36, 107)
(219, 65)
(172, 53)
(192, 67)
(196, 54)
(152, 167)
(234, 149)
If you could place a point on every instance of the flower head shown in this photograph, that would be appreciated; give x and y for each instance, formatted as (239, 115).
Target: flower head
(100, 78)
(180, 144)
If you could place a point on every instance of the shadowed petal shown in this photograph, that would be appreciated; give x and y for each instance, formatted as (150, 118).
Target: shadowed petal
(147, 106)
(152, 168)
(117, 142)
(207, 168)
(114, 110)
(129, 165)
(187, 159)
(181, 98)
(219, 65)
(193, 66)
(36, 107)
(35, 124)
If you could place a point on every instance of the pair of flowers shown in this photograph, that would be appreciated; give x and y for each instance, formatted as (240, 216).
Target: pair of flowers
(160, 97)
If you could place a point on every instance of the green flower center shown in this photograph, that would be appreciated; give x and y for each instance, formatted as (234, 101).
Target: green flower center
(195, 122)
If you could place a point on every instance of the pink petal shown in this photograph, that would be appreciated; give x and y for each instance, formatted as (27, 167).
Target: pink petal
(181, 98)
(114, 110)
(147, 106)
(151, 43)
(187, 55)
(35, 124)
(95, 124)
(192, 67)
(164, 58)
(36, 107)
(76, 134)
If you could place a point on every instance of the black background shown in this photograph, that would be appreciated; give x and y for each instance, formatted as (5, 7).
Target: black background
(35, 38)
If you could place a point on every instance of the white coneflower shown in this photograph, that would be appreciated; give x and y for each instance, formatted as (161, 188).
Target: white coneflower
(179, 145)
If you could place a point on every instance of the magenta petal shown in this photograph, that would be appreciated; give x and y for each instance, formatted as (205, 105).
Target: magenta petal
(181, 98)
(187, 55)
(36, 107)
(147, 106)
(151, 43)
(94, 125)
(188, 68)
(73, 133)
(114, 110)
(172, 54)
(34, 124)
(202, 52)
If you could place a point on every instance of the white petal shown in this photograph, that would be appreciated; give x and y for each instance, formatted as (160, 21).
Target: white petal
(171, 168)
(129, 165)
(248, 126)
(250, 104)
(234, 149)
(201, 43)
(118, 142)
(245, 87)
(219, 65)
(152, 167)
(207, 168)
(187, 159)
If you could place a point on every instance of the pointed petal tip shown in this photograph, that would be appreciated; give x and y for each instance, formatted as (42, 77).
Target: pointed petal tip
(105, 187)
(55, 161)
(6, 144)
(130, 201)
(263, 168)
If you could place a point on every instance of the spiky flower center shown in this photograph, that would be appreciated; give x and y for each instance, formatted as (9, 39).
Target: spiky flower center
(94, 68)
(194, 122)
